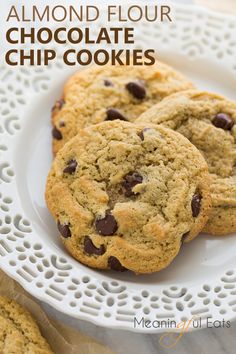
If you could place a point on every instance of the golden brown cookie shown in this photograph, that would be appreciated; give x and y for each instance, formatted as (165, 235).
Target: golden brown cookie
(19, 334)
(112, 92)
(126, 196)
(208, 121)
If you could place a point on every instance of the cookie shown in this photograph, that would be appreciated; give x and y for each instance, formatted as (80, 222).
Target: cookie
(19, 334)
(125, 196)
(208, 121)
(112, 92)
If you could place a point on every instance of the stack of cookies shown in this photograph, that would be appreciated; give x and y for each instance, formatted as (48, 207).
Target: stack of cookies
(143, 162)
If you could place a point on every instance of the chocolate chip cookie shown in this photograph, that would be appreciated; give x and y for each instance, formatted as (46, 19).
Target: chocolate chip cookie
(125, 196)
(208, 121)
(19, 334)
(105, 93)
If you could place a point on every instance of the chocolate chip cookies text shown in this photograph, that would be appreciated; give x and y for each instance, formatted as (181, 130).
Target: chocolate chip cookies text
(98, 40)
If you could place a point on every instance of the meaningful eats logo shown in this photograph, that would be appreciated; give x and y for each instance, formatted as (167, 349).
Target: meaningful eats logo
(177, 330)
(118, 31)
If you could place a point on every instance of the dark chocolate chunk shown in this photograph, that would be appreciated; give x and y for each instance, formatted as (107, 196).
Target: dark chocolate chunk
(130, 180)
(56, 134)
(115, 264)
(113, 114)
(137, 90)
(91, 249)
(223, 121)
(106, 226)
(64, 230)
(71, 167)
(58, 105)
(196, 204)
(108, 83)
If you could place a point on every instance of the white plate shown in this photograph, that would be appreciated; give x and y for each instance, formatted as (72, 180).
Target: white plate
(202, 279)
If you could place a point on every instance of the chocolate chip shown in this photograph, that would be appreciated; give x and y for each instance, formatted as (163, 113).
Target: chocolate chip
(196, 204)
(71, 167)
(130, 180)
(141, 135)
(137, 90)
(108, 83)
(58, 105)
(106, 226)
(113, 114)
(91, 249)
(56, 134)
(223, 121)
(115, 264)
(64, 230)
